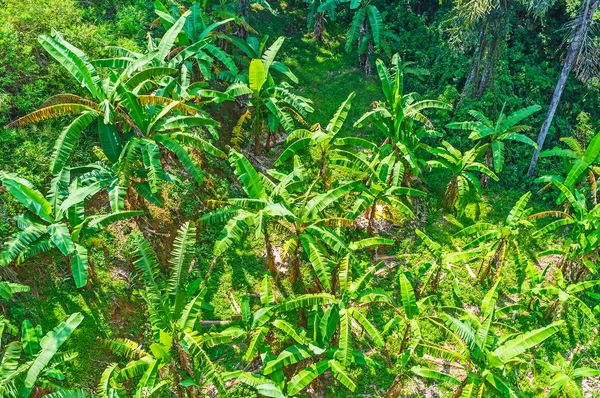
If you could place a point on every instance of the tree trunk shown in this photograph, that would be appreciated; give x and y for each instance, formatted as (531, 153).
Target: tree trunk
(489, 163)
(372, 213)
(323, 170)
(269, 248)
(475, 72)
(243, 12)
(450, 196)
(319, 26)
(488, 68)
(257, 131)
(584, 20)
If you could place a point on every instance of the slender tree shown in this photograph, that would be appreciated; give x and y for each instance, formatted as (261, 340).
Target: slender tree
(581, 29)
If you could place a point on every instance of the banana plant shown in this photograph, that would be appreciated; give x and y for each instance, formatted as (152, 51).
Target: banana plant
(497, 134)
(400, 117)
(270, 105)
(367, 32)
(34, 359)
(501, 241)
(383, 191)
(578, 253)
(489, 360)
(328, 142)
(177, 357)
(141, 157)
(111, 97)
(318, 12)
(56, 221)
(328, 343)
(9, 289)
(545, 298)
(287, 204)
(578, 161)
(441, 265)
(412, 318)
(463, 167)
(567, 376)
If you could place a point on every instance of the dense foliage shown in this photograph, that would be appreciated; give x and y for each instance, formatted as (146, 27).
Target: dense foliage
(321, 198)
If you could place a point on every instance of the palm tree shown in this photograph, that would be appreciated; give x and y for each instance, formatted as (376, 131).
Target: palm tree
(497, 134)
(400, 117)
(484, 26)
(56, 221)
(500, 240)
(487, 358)
(463, 167)
(32, 360)
(576, 53)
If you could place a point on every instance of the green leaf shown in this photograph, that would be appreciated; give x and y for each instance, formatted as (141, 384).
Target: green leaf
(368, 326)
(61, 237)
(101, 222)
(74, 61)
(434, 374)
(409, 301)
(306, 376)
(8, 289)
(344, 352)
(181, 258)
(67, 140)
(580, 166)
(167, 41)
(525, 341)
(339, 372)
(50, 344)
(289, 356)
(266, 292)
(24, 192)
(109, 141)
(270, 54)
(79, 265)
(257, 75)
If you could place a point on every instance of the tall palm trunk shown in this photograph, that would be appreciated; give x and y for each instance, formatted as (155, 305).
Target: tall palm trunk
(584, 20)
(490, 61)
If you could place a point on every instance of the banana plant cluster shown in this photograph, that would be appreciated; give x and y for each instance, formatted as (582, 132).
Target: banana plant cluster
(147, 108)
